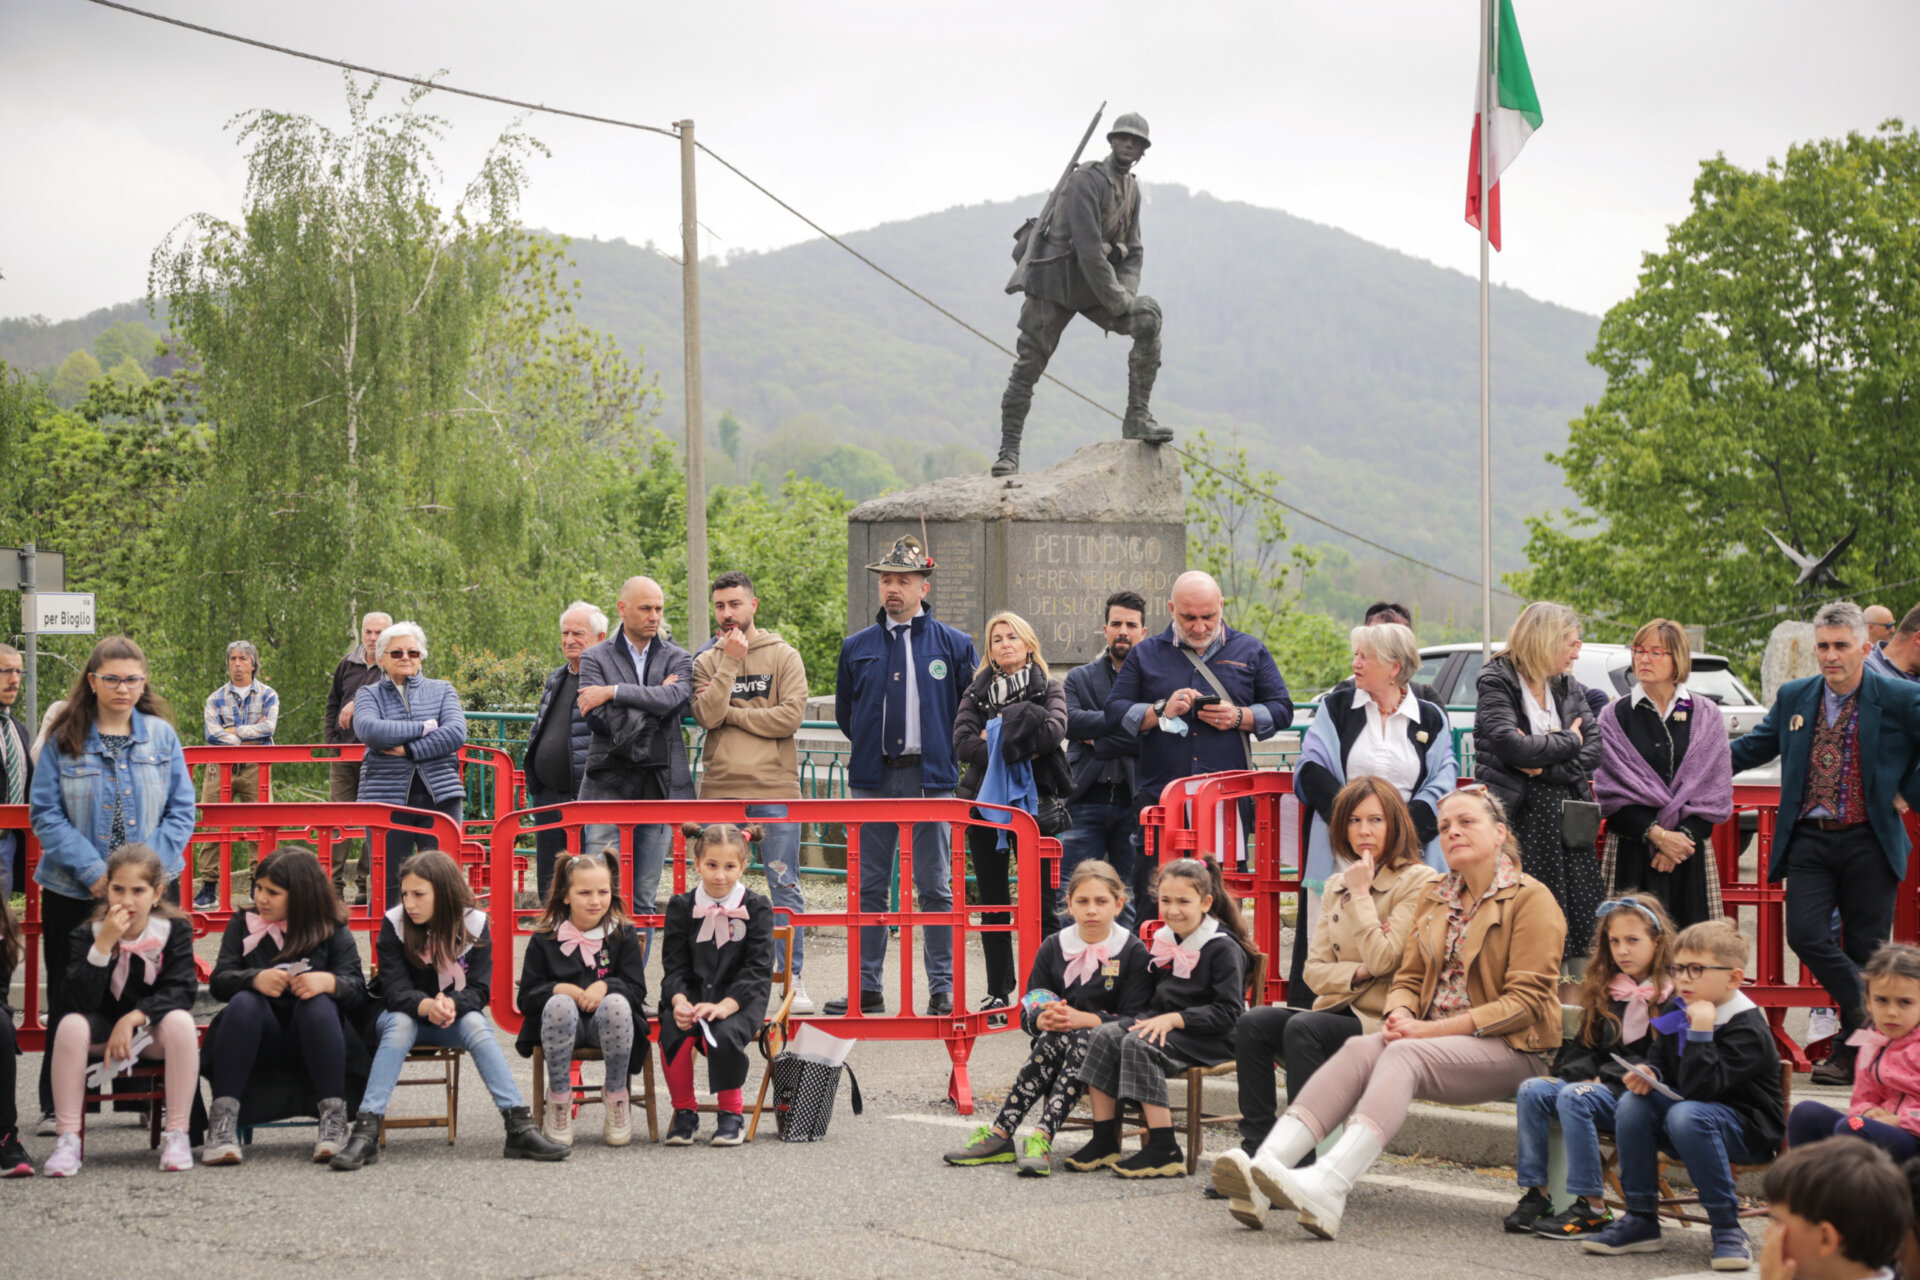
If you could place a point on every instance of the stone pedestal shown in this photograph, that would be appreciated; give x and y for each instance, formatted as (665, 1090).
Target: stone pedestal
(1789, 656)
(1051, 546)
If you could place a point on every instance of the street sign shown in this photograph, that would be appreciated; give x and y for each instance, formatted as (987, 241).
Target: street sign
(57, 613)
(49, 574)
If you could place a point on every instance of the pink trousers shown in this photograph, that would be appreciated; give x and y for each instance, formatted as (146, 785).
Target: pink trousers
(175, 1040)
(1374, 1082)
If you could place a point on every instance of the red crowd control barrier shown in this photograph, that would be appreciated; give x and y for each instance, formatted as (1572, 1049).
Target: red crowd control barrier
(321, 827)
(1029, 919)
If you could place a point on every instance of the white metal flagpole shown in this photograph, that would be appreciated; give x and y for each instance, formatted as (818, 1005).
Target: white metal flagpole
(1488, 98)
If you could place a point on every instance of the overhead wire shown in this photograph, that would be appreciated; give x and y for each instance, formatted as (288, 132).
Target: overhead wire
(543, 108)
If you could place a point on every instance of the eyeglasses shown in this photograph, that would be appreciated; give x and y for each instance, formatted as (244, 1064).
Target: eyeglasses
(406, 653)
(1639, 652)
(13, 672)
(1694, 972)
(120, 682)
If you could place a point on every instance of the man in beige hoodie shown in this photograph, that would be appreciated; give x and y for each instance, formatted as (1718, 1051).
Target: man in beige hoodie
(750, 695)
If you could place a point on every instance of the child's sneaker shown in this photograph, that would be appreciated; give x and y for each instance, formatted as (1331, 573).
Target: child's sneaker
(1036, 1156)
(13, 1157)
(1580, 1220)
(1630, 1233)
(984, 1146)
(616, 1129)
(176, 1153)
(680, 1132)
(1161, 1159)
(1533, 1206)
(65, 1160)
(728, 1128)
(559, 1117)
(1731, 1249)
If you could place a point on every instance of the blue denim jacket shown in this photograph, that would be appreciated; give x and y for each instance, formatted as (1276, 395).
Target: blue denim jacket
(72, 808)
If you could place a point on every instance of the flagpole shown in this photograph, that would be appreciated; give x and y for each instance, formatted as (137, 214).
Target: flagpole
(1488, 99)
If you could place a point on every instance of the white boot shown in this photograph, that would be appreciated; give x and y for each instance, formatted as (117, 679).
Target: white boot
(1320, 1193)
(1285, 1146)
(1233, 1178)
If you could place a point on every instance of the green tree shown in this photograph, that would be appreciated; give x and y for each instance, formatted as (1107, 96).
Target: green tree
(127, 339)
(75, 374)
(1764, 378)
(127, 374)
(729, 432)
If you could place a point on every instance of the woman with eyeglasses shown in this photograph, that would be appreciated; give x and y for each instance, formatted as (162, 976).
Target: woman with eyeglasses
(414, 728)
(113, 773)
(1665, 780)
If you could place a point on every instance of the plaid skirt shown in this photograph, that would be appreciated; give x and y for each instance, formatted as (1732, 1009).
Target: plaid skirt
(1128, 1067)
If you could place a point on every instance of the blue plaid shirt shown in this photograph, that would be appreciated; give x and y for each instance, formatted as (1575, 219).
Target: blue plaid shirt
(237, 716)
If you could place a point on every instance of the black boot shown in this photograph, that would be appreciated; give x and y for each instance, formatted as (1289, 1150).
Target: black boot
(1009, 460)
(1102, 1151)
(1837, 1070)
(1158, 1157)
(524, 1139)
(363, 1144)
(1143, 366)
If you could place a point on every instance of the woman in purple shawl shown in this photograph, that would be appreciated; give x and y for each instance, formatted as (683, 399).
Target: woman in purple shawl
(1665, 779)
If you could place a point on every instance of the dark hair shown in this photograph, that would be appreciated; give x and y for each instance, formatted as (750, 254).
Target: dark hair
(1125, 600)
(69, 729)
(1596, 1005)
(557, 909)
(730, 579)
(1204, 874)
(1895, 960)
(1909, 625)
(445, 935)
(1402, 848)
(1912, 1171)
(1400, 612)
(148, 862)
(314, 910)
(1852, 1185)
(724, 834)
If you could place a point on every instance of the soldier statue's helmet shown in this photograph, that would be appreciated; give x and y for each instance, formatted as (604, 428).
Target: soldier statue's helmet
(1134, 125)
(907, 556)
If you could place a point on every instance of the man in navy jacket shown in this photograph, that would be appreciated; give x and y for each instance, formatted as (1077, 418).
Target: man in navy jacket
(1153, 696)
(1847, 741)
(556, 756)
(1105, 760)
(895, 696)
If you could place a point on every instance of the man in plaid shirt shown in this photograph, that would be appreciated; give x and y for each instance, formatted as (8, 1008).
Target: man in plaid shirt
(242, 712)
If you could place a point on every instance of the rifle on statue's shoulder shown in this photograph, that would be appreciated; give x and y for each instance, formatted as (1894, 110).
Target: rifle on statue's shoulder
(1026, 241)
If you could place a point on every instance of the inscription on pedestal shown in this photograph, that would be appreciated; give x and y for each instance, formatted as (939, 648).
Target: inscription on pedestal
(1060, 575)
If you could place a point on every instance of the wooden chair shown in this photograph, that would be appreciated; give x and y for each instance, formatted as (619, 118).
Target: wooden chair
(143, 1082)
(1671, 1204)
(447, 1059)
(774, 1032)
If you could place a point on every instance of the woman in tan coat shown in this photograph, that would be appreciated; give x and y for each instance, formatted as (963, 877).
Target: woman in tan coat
(1364, 920)
(1472, 1008)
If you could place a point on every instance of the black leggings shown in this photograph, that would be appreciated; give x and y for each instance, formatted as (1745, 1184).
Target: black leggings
(990, 885)
(1301, 1038)
(9, 1073)
(254, 1034)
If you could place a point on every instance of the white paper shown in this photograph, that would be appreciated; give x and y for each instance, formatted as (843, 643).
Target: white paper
(815, 1043)
(294, 968)
(1646, 1074)
(107, 1069)
(706, 1031)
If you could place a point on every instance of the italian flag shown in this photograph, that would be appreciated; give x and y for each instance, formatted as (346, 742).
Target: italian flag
(1515, 116)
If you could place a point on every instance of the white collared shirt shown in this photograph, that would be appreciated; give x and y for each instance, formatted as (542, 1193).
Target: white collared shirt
(639, 656)
(1540, 720)
(1680, 694)
(735, 896)
(1072, 944)
(1384, 749)
(904, 631)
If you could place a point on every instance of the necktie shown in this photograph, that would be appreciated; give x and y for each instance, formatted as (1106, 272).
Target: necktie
(896, 699)
(10, 758)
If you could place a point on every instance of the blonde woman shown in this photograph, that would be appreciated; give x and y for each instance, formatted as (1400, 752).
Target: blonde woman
(1536, 744)
(1016, 706)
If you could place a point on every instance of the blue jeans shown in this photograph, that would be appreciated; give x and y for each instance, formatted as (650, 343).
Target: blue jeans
(780, 855)
(932, 882)
(651, 847)
(399, 1032)
(1706, 1136)
(1583, 1111)
(1100, 830)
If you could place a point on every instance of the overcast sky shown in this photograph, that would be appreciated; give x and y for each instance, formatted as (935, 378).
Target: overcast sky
(1355, 114)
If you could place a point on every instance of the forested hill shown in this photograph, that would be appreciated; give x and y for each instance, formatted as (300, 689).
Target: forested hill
(1351, 368)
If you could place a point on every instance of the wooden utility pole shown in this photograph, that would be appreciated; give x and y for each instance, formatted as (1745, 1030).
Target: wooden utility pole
(698, 619)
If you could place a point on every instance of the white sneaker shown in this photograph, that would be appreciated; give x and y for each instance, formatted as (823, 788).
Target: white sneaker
(1822, 1024)
(617, 1127)
(802, 1002)
(559, 1125)
(65, 1160)
(176, 1155)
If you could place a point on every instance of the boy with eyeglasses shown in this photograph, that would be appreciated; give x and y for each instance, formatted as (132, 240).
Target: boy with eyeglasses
(1716, 1055)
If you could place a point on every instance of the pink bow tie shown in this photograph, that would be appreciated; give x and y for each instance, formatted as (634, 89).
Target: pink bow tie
(715, 916)
(148, 949)
(1638, 996)
(1867, 1038)
(258, 929)
(1168, 952)
(451, 974)
(1088, 962)
(573, 939)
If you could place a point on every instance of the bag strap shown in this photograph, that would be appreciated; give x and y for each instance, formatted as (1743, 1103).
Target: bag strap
(858, 1106)
(1213, 682)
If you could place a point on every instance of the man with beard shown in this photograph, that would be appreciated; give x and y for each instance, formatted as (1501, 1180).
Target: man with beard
(1105, 760)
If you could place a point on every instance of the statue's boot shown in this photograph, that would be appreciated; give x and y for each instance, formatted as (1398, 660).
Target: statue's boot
(1012, 425)
(1142, 367)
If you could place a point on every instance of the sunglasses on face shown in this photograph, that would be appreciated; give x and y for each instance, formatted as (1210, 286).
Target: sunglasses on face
(415, 654)
(1694, 972)
(121, 682)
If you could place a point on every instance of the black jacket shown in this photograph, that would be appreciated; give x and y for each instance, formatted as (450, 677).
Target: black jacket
(403, 981)
(706, 974)
(1317, 788)
(234, 970)
(579, 734)
(1211, 999)
(635, 746)
(1123, 989)
(89, 987)
(1091, 743)
(1735, 1065)
(349, 677)
(276, 1093)
(1090, 257)
(620, 963)
(1031, 728)
(1579, 1060)
(1502, 745)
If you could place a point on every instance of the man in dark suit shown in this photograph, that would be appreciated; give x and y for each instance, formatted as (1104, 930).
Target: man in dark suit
(634, 688)
(1105, 760)
(556, 754)
(16, 766)
(1848, 742)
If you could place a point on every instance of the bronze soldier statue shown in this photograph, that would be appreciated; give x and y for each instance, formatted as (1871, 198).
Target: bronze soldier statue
(1087, 262)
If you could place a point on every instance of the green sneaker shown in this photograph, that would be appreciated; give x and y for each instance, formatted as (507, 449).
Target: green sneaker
(1036, 1156)
(984, 1146)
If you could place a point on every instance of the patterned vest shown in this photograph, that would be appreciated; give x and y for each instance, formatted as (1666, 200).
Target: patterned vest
(1833, 766)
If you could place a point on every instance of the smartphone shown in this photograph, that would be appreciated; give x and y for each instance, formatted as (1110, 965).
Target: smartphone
(1206, 700)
